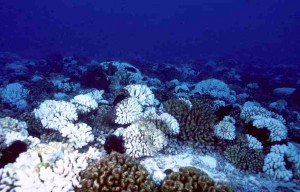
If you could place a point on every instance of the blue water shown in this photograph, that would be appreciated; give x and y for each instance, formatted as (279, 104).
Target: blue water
(252, 31)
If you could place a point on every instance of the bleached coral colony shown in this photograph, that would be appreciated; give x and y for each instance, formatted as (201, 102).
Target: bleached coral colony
(105, 126)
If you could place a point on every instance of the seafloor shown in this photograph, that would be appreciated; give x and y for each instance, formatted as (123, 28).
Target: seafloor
(70, 123)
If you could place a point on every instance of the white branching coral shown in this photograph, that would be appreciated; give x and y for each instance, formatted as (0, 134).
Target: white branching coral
(13, 130)
(225, 129)
(172, 124)
(47, 167)
(124, 75)
(293, 156)
(64, 85)
(56, 114)
(217, 104)
(150, 113)
(79, 134)
(98, 96)
(278, 130)
(182, 89)
(142, 139)
(8, 124)
(60, 116)
(253, 109)
(65, 171)
(128, 111)
(24, 173)
(15, 94)
(275, 165)
(262, 118)
(165, 122)
(213, 87)
(253, 143)
(143, 94)
(140, 106)
(275, 162)
(250, 110)
(84, 103)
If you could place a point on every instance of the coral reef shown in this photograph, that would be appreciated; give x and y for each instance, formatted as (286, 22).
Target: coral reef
(232, 128)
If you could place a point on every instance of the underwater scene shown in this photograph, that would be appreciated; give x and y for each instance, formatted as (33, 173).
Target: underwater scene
(149, 96)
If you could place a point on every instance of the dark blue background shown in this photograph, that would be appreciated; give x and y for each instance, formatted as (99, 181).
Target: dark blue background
(251, 30)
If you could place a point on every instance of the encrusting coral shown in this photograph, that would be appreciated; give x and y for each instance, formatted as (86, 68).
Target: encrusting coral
(115, 172)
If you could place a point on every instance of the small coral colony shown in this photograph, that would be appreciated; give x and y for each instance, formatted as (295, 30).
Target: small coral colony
(75, 124)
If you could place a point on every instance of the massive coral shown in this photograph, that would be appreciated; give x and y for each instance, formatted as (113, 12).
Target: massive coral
(115, 172)
(193, 180)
